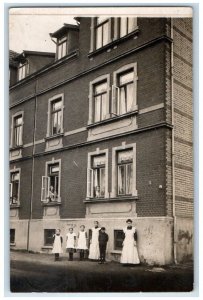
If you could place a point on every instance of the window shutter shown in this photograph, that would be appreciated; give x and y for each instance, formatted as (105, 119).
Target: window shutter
(45, 188)
(89, 183)
(115, 99)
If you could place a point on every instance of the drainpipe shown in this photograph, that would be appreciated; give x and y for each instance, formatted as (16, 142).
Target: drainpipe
(33, 166)
(173, 152)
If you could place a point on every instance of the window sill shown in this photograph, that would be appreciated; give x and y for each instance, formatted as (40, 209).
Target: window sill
(12, 206)
(52, 137)
(116, 251)
(53, 203)
(113, 119)
(46, 247)
(116, 199)
(113, 43)
(16, 147)
(12, 244)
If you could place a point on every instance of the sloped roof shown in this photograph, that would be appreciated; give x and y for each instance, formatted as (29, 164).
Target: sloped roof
(63, 30)
(12, 56)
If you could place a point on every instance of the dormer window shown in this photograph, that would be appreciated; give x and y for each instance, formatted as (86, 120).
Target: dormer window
(62, 47)
(23, 70)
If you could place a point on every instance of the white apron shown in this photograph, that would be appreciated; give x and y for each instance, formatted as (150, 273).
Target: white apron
(94, 246)
(57, 248)
(129, 253)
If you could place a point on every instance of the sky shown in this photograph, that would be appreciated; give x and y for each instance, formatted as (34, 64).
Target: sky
(29, 28)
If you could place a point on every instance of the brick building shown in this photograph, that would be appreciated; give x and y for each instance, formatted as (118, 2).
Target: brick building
(102, 130)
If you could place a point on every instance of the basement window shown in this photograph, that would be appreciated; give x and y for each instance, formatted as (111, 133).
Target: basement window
(12, 236)
(49, 237)
(118, 239)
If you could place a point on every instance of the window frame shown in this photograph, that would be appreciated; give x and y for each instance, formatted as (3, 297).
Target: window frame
(47, 166)
(116, 88)
(24, 66)
(50, 244)
(91, 97)
(13, 171)
(114, 187)
(12, 138)
(90, 178)
(125, 165)
(49, 114)
(61, 43)
(93, 28)
(115, 232)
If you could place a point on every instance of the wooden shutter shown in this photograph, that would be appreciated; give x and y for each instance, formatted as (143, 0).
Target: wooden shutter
(45, 188)
(89, 183)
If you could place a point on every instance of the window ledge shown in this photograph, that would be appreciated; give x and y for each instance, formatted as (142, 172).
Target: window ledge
(118, 199)
(53, 203)
(16, 147)
(12, 206)
(46, 247)
(12, 244)
(114, 43)
(113, 119)
(52, 137)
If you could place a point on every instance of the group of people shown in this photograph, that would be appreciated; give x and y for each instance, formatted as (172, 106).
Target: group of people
(98, 244)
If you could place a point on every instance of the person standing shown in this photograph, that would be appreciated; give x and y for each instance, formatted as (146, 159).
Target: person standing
(82, 242)
(57, 245)
(70, 243)
(103, 239)
(129, 253)
(94, 242)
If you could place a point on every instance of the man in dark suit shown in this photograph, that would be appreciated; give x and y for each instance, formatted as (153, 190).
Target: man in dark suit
(103, 239)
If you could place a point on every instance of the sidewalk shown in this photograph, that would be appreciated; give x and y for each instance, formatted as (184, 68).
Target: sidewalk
(32, 272)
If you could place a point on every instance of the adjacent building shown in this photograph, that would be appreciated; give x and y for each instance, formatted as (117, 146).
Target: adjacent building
(102, 130)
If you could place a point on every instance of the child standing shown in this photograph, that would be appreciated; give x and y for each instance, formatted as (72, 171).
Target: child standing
(94, 243)
(70, 243)
(82, 242)
(57, 245)
(103, 239)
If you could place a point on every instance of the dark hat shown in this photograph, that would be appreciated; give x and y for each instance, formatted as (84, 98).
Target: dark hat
(103, 228)
(129, 221)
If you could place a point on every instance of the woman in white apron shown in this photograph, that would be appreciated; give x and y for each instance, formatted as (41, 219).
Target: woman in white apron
(94, 243)
(129, 253)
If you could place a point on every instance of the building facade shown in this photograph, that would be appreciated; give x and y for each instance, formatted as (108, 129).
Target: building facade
(102, 130)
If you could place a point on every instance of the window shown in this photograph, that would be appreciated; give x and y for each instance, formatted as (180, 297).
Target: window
(56, 117)
(127, 25)
(62, 47)
(48, 237)
(22, 70)
(125, 172)
(124, 98)
(100, 101)
(102, 31)
(12, 236)
(97, 176)
(18, 131)
(51, 184)
(118, 239)
(14, 187)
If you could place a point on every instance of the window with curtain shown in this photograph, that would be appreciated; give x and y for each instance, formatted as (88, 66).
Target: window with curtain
(100, 101)
(127, 25)
(125, 172)
(98, 167)
(102, 31)
(125, 92)
(18, 131)
(56, 117)
(50, 184)
(62, 47)
(14, 187)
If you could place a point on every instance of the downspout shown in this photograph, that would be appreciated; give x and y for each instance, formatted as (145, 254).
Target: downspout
(33, 166)
(173, 149)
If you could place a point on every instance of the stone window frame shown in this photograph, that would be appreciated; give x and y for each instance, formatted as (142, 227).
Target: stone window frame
(47, 165)
(114, 187)
(116, 74)
(15, 170)
(89, 165)
(91, 97)
(50, 101)
(17, 114)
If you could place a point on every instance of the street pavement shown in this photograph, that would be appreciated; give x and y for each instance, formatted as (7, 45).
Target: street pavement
(31, 272)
